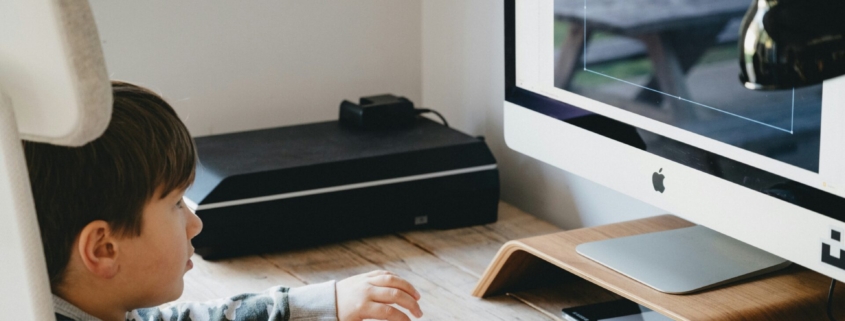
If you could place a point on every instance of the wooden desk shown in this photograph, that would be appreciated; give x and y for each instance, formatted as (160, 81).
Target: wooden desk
(448, 266)
(443, 265)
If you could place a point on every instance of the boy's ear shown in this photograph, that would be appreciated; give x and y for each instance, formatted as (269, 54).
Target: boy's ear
(98, 249)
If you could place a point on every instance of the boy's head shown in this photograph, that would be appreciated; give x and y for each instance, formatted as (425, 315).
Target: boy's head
(111, 211)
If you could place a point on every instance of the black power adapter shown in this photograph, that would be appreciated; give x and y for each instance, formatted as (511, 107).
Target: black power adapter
(381, 112)
(376, 112)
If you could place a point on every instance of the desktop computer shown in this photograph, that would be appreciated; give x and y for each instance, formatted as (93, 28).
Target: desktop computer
(662, 101)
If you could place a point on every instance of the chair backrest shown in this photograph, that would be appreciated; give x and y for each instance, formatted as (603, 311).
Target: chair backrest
(54, 88)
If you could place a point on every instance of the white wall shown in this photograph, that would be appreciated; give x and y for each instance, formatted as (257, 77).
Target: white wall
(463, 76)
(238, 65)
(233, 65)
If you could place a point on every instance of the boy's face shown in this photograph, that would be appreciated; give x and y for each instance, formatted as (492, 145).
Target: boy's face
(155, 262)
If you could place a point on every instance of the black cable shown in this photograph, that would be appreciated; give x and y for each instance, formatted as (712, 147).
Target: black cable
(426, 110)
(830, 300)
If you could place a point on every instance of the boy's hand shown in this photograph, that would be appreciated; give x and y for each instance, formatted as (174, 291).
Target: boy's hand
(369, 296)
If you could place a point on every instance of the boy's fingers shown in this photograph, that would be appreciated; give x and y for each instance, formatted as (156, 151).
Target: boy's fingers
(396, 296)
(392, 281)
(381, 311)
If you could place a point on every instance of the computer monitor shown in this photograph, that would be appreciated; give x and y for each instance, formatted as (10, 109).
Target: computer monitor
(644, 97)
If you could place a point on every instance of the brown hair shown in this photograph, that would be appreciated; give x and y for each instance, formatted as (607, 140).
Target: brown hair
(145, 149)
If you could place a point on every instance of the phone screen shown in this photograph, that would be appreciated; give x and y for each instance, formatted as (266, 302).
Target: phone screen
(648, 315)
(619, 310)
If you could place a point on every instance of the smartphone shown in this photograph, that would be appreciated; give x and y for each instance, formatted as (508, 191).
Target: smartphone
(618, 310)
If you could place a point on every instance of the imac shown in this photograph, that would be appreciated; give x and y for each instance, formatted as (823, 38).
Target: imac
(646, 97)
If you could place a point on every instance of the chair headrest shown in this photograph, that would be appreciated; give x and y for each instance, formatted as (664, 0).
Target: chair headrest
(53, 72)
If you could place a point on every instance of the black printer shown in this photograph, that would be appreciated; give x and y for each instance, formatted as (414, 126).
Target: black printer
(291, 187)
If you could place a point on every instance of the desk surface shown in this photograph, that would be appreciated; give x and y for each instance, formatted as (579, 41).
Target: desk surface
(444, 265)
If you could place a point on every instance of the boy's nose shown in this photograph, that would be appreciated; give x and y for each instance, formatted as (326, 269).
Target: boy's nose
(194, 225)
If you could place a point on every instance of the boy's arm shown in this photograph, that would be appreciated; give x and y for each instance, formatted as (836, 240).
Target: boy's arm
(308, 303)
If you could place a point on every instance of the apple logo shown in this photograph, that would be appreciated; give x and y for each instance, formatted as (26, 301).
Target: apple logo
(657, 180)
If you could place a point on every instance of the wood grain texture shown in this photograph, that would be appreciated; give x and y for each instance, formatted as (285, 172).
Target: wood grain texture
(791, 294)
(472, 248)
(444, 265)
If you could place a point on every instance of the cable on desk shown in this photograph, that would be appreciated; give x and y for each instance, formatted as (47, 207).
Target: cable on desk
(426, 110)
(830, 300)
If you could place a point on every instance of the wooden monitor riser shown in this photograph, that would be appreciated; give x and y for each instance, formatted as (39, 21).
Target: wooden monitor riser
(546, 272)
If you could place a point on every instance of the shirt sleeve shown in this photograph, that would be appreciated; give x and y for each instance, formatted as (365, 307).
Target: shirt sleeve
(308, 303)
(316, 302)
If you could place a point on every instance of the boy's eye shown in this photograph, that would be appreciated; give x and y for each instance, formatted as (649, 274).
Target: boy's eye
(179, 204)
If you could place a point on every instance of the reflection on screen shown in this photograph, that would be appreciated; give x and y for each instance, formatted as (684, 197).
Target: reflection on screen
(677, 62)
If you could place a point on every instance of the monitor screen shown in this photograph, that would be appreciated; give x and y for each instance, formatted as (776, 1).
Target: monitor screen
(669, 71)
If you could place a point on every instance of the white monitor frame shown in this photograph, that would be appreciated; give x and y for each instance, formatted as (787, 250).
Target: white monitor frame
(768, 223)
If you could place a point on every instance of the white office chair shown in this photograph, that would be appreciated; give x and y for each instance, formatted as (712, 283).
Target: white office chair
(53, 88)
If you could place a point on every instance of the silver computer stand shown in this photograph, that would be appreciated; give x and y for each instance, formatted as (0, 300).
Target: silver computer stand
(682, 260)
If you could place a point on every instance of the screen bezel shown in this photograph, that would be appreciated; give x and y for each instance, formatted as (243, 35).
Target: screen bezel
(813, 199)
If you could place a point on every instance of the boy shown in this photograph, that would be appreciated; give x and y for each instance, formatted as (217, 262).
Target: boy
(117, 235)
